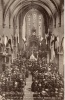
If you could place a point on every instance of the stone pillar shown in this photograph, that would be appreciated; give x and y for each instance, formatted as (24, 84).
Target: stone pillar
(59, 18)
(54, 22)
(16, 45)
(21, 45)
(52, 48)
(61, 63)
(61, 50)
(14, 38)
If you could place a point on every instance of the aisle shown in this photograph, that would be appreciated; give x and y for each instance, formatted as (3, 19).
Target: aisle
(28, 95)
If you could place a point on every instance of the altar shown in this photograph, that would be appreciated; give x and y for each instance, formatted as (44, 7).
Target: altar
(33, 58)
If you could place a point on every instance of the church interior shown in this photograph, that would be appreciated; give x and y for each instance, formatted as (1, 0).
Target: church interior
(32, 49)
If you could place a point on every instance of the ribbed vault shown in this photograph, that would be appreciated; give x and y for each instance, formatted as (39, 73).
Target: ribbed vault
(39, 8)
(37, 5)
(51, 6)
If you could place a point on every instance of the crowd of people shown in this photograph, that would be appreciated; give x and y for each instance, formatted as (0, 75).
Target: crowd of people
(13, 81)
(47, 82)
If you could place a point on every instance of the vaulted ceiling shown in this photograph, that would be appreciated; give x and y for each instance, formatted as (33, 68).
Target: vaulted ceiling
(17, 6)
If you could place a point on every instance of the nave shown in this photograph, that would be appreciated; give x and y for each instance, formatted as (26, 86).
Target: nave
(31, 49)
(44, 83)
(28, 94)
(34, 81)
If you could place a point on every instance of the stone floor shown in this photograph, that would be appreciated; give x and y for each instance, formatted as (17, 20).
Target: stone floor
(28, 95)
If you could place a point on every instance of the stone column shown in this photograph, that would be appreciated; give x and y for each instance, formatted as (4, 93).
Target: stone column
(61, 63)
(21, 44)
(54, 22)
(14, 38)
(59, 18)
(61, 57)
